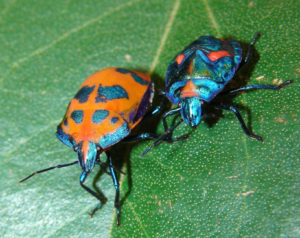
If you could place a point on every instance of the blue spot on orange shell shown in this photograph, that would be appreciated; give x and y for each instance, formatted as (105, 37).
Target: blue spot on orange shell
(99, 116)
(114, 120)
(136, 78)
(83, 94)
(77, 116)
(110, 93)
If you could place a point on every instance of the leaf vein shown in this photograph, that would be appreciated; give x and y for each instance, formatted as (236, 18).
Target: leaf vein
(41, 50)
(25, 141)
(165, 36)
(212, 18)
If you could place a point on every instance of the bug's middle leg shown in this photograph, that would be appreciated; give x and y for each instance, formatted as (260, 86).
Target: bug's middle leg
(240, 119)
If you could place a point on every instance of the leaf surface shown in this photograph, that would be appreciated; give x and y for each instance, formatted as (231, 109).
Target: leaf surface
(217, 183)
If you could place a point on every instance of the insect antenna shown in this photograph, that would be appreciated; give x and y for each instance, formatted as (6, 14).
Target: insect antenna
(44, 170)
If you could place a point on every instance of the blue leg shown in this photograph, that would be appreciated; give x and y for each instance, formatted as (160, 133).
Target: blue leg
(240, 119)
(102, 164)
(82, 179)
(165, 137)
(116, 184)
(44, 170)
(158, 139)
(149, 136)
(250, 51)
(168, 131)
(251, 47)
(169, 113)
(156, 110)
(254, 87)
(142, 136)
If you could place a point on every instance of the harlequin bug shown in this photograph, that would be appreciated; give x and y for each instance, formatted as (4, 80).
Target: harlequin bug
(198, 74)
(108, 105)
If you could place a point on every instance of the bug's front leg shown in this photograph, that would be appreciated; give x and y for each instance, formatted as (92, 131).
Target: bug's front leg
(82, 179)
(116, 184)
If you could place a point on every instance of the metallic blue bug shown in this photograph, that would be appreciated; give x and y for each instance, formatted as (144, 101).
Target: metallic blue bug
(198, 74)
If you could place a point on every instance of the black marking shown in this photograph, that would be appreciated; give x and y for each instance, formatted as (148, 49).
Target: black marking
(144, 104)
(136, 78)
(110, 93)
(65, 121)
(77, 116)
(132, 114)
(114, 120)
(99, 116)
(83, 94)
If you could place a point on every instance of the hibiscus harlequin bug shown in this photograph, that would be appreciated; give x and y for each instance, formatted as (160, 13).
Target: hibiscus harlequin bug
(108, 105)
(198, 74)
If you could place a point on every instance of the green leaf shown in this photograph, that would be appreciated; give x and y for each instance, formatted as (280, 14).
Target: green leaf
(217, 183)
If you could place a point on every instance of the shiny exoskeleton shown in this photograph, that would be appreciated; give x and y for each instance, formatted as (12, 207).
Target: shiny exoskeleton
(108, 105)
(198, 74)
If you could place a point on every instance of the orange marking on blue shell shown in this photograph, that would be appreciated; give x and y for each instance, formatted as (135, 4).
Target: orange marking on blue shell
(179, 59)
(215, 55)
(189, 90)
(190, 68)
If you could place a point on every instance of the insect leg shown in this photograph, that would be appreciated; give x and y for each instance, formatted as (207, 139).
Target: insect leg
(156, 110)
(116, 184)
(153, 136)
(165, 137)
(158, 139)
(142, 136)
(254, 87)
(44, 170)
(169, 113)
(240, 119)
(250, 48)
(82, 179)
(103, 164)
